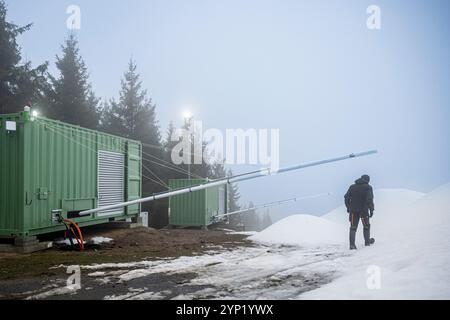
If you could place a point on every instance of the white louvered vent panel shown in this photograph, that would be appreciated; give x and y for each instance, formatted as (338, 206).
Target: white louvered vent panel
(110, 181)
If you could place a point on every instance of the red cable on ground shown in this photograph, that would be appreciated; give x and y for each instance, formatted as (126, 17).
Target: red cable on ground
(76, 237)
(80, 239)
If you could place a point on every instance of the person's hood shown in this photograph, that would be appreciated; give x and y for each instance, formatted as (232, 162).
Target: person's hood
(365, 179)
(361, 181)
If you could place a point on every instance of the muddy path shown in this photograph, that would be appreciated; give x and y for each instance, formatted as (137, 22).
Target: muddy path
(145, 264)
(24, 275)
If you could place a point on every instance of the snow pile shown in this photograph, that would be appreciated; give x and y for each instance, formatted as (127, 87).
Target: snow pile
(332, 228)
(386, 201)
(303, 230)
(411, 258)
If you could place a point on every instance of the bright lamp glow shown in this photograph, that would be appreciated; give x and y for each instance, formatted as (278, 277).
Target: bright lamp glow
(35, 113)
(187, 114)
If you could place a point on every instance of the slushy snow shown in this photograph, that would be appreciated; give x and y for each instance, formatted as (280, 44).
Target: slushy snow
(101, 240)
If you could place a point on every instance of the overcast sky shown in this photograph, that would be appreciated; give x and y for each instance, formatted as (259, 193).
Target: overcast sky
(309, 68)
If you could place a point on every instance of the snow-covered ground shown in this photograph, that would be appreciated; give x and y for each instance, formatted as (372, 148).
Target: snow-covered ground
(307, 257)
(410, 260)
(303, 230)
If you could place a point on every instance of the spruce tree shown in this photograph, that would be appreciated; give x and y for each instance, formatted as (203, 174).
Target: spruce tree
(233, 203)
(133, 116)
(202, 169)
(169, 145)
(233, 196)
(266, 220)
(251, 219)
(20, 83)
(217, 170)
(72, 98)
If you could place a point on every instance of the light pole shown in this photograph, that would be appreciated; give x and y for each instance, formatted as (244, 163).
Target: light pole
(188, 116)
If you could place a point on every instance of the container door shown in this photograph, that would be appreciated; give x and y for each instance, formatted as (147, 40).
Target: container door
(133, 177)
(110, 181)
(222, 200)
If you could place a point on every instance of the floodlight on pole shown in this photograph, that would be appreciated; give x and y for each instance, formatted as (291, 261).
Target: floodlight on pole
(188, 115)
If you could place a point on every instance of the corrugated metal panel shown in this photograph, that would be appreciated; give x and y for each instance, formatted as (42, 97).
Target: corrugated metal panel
(134, 180)
(213, 201)
(187, 209)
(222, 200)
(48, 165)
(110, 181)
(196, 208)
(11, 177)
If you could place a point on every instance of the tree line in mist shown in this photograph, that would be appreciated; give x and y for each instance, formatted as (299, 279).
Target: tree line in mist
(68, 96)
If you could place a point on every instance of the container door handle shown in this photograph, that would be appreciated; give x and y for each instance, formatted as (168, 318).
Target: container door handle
(26, 199)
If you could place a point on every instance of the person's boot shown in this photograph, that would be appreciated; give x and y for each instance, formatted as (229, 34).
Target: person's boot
(352, 239)
(367, 239)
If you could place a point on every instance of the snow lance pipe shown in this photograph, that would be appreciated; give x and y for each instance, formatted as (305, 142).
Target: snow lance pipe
(224, 181)
(271, 204)
(267, 205)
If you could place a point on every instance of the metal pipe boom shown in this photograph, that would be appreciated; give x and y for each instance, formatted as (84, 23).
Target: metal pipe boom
(271, 204)
(228, 180)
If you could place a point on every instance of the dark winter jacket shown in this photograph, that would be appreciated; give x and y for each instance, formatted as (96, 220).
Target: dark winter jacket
(359, 197)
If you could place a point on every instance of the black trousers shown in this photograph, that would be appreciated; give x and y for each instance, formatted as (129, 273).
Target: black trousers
(354, 221)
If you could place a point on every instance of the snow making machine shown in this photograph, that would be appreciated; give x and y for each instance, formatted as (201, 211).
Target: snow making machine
(196, 209)
(51, 171)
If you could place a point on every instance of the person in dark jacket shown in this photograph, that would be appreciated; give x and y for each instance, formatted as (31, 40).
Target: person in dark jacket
(359, 203)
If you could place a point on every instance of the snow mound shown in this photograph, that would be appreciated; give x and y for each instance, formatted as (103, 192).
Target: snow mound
(386, 201)
(303, 230)
(437, 199)
(411, 254)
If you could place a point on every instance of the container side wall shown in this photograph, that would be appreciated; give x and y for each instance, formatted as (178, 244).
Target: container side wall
(187, 209)
(11, 177)
(134, 183)
(212, 204)
(46, 165)
(61, 171)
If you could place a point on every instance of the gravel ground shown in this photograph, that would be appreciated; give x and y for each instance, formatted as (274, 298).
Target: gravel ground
(22, 276)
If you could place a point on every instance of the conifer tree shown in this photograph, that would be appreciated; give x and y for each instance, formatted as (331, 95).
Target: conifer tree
(233, 196)
(20, 83)
(72, 98)
(266, 220)
(133, 116)
(173, 171)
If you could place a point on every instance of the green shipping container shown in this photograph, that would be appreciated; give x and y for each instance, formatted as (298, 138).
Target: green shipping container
(48, 165)
(196, 208)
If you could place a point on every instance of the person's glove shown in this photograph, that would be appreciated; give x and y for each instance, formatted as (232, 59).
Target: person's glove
(371, 214)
